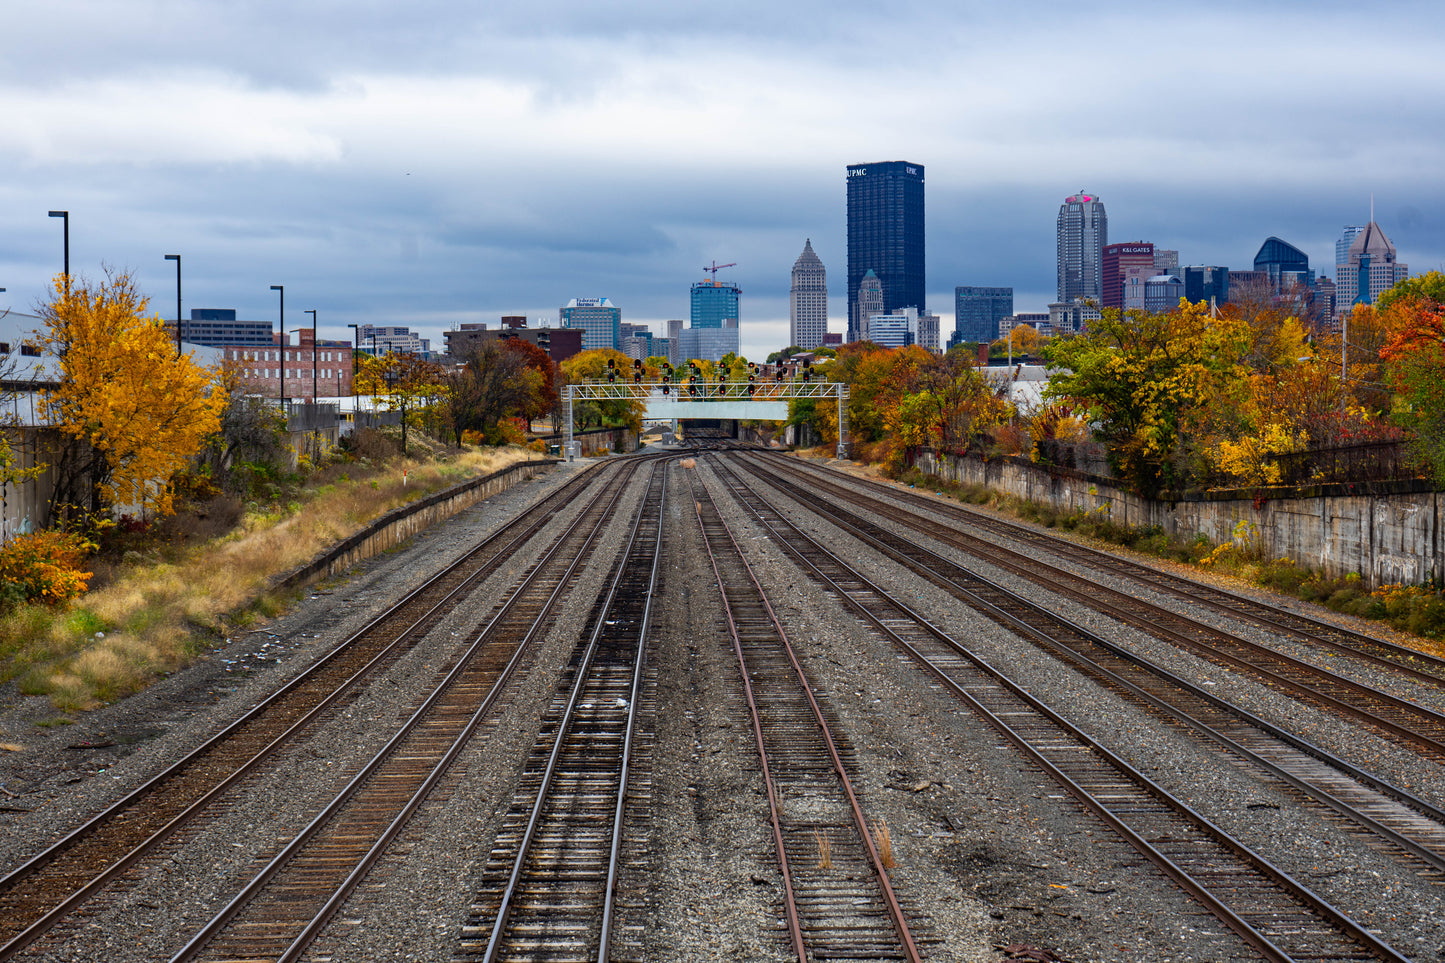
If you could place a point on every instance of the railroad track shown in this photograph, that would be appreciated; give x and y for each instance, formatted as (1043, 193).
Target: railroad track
(1368, 803)
(288, 903)
(1273, 913)
(551, 881)
(1365, 648)
(1396, 717)
(46, 888)
(837, 898)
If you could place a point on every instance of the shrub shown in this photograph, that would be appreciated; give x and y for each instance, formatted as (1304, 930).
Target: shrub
(45, 566)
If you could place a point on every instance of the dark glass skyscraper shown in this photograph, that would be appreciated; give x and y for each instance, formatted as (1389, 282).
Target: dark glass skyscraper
(977, 312)
(1083, 232)
(885, 234)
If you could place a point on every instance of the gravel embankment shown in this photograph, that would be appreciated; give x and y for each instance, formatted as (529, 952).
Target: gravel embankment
(989, 852)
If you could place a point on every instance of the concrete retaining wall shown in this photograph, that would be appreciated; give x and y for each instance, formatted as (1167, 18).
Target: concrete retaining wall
(1384, 537)
(402, 523)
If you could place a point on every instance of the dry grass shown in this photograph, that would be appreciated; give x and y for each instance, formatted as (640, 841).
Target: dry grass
(153, 617)
(825, 849)
(883, 840)
(688, 463)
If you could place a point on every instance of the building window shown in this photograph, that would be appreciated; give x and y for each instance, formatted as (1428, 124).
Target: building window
(30, 350)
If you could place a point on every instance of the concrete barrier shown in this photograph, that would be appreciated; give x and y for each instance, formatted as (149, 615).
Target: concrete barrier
(1386, 533)
(399, 524)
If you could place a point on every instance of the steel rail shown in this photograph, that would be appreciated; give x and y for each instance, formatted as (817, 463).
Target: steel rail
(911, 514)
(534, 819)
(1414, 662)
(315, 828)
(1400, 806)
(530, 522)
(894, 909)
(789, 542)
(1413, 722)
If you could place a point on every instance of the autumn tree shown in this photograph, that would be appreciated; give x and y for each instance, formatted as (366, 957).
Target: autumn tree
(592, 366)
(1414, 352)
(406, 383)
(545, 399)
(253, 429)
(138, 411)
(1146, 381)
(494, 385)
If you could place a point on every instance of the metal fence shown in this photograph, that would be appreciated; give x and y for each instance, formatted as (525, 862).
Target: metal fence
(1373, 461)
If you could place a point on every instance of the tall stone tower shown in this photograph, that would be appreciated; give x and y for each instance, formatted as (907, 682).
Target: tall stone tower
(808, 304)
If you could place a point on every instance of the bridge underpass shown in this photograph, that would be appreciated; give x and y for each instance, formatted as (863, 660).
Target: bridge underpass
(726, 401)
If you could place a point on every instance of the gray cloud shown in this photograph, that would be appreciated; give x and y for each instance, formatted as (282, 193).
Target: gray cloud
(436, 162)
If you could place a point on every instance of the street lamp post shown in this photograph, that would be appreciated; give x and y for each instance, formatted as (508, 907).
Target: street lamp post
(65, 220)
(312, 312)
(282, 345)
(355, 349)
(177, 259)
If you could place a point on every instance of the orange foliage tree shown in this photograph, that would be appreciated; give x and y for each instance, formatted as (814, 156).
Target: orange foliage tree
(1414, 352)
(139, 411)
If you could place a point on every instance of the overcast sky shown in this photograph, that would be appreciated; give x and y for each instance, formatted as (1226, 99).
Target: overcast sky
(441, 161)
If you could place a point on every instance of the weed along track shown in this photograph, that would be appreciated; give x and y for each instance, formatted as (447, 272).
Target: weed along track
(715, 704)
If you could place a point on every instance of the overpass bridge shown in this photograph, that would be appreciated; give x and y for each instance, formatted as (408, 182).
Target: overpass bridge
(728, 400)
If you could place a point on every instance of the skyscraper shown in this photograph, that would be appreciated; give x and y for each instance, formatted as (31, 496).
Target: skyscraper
(869, 300)
(1342, 246)
(1286, 265)
(808, 303)
(1123, 267)
(885, 235)
(714, 303)
(1370, 269)
(1083, 230)
(599, 319)
(977, 312)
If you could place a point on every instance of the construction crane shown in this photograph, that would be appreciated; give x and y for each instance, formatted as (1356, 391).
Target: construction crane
(716, 267)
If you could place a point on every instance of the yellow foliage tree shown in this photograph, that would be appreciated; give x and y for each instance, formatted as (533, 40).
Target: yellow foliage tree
(141, 410)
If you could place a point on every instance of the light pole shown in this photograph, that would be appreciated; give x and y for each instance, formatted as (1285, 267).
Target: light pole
(282, 344)
(177, 259)
(355, 349)
(65, 220)
(312, 312)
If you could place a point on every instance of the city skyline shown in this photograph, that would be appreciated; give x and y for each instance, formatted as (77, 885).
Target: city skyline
(568, 154)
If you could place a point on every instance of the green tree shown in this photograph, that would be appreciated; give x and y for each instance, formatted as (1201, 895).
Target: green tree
(1146, 381)
(1429, 286)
